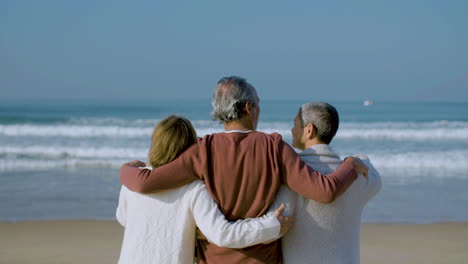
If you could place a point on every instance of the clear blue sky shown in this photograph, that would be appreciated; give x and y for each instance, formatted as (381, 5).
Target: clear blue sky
(320, 50)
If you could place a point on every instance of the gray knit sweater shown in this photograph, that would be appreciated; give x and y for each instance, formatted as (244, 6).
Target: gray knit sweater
(327, 233)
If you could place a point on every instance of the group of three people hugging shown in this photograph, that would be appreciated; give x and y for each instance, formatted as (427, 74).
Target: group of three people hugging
(243, 196)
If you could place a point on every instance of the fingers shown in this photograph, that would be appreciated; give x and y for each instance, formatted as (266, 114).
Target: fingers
(364, 170)
(287, 220)
(136, 163)
(359, 166)
(286, 224)
(280, 210)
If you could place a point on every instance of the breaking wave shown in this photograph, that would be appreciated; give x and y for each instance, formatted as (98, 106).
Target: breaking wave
(443, 130)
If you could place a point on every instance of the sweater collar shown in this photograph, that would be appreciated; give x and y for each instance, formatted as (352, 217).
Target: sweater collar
(319, 150)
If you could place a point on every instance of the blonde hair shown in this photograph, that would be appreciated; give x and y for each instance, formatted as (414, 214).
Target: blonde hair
(172, 136)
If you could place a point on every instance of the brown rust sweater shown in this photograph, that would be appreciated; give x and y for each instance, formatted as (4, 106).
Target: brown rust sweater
(242, 172)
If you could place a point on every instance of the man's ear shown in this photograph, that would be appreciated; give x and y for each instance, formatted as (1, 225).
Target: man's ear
(311, 131)
(248, 108)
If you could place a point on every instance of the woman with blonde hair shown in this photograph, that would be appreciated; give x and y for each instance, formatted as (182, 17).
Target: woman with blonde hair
(161, 227)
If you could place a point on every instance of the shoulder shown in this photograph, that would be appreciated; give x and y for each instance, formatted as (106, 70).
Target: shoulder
(203, 140)
(124, 190)
(362, 157)
(195, 185)
(254, 135)
(272, 138)
(271, 142)
(195, 188)
(210, 138)
(374, 176)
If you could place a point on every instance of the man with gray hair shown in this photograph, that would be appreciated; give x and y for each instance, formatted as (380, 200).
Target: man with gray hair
(324, 233)
(243, 170)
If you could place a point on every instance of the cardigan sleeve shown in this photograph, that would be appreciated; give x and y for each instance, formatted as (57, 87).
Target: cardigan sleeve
(239, 234)
(121, 213)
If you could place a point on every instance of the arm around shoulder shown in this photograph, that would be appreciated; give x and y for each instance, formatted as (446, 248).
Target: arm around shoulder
(242, 233)
(311, 183)
(135, 179)
(181, 171)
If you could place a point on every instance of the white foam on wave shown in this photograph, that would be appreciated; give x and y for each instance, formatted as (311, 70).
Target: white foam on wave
(442, 130)
(403, 168)
(120, 122)
(118, 128)
(404, 134)
(74, 131)
(53, 157)
(49, 157)
(35, 165)
(447, 160)
(405, 130)
(59, 152)
(110, 121)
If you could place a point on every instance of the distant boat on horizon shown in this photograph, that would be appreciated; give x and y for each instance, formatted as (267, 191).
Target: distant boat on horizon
(368, 102)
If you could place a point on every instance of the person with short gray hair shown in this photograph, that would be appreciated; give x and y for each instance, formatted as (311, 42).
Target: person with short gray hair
(242, 170)
(323, 116)
(324, 233)
(230, 97)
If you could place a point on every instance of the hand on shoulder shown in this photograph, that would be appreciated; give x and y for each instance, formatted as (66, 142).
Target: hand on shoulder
(358, 165)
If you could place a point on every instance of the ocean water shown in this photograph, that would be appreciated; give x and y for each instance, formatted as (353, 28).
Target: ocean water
(60, 159)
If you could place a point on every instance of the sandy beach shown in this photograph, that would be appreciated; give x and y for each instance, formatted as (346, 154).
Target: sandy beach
(99, 242)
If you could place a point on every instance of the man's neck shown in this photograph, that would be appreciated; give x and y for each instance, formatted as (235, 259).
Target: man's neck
(312, 142)
(239, 125)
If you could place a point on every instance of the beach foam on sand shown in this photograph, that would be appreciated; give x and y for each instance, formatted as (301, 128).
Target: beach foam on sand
(72, 242)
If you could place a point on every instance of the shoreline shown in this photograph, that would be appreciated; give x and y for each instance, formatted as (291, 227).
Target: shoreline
(99, 241)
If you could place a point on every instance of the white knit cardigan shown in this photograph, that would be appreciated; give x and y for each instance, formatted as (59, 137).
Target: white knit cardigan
(160, 228)
(326, 233)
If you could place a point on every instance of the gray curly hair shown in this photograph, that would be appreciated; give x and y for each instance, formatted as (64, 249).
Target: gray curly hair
(323, 116)
(229, 99)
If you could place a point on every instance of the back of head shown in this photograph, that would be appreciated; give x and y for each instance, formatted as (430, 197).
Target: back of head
(323, 117)
(230, 96)
(171, 137)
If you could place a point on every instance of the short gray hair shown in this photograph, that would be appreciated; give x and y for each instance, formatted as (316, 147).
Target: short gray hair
(230, 96)
(323, 117)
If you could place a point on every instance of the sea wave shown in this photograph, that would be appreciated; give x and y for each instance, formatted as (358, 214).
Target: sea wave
(35, 165)
(58, 152)
(48, 157)
(405, 130)
(449, 160)
(442, 130)
(139, 122)
(73, 131)
(418, 131)
(118, 128)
